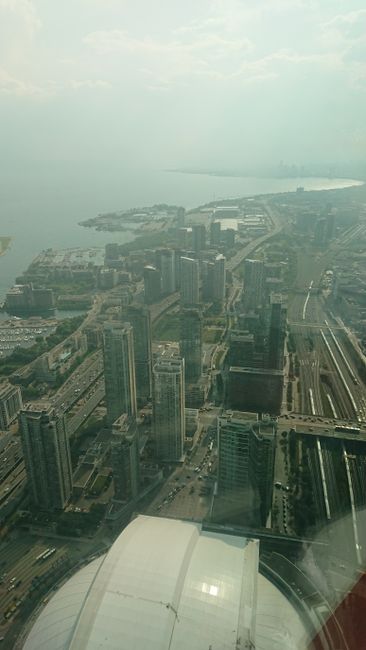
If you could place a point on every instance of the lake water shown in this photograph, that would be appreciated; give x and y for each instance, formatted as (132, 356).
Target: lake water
(41, 206)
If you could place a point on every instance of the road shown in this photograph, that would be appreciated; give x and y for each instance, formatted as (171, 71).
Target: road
(280, 498)
(237, 259)
(188, 492)
(18, 559)
(18, 568)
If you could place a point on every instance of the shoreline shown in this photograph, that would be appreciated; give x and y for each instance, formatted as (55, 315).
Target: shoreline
(15, 263)
(100, 223)
(346, 181)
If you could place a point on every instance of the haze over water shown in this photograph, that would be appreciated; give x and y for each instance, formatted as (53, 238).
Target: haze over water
(42, 205)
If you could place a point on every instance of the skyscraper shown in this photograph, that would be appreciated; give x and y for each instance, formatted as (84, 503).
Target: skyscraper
(219, 280)
(198, 238)
(46, 456)
(253, 283)
(277, 333)
(125, 458)
(191, 343)
(119, 370)
(168, 408)
(246, 457)
(241, 349)
(140, 319)
(152, 284)
(215, 233)
(165, 261)
(207, 270)
(181, 217)
(189, 281)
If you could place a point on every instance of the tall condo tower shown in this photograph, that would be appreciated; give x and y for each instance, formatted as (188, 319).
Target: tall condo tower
(165, 261)
(219, 279)
(253, 283)
(152, 284)
(125, 459)
(168, 408)
(199, 238)
(119, 370)
(140, 319)
(246, 457)
(46, 456)
(191, 342)
(189, 281)
(277, 333)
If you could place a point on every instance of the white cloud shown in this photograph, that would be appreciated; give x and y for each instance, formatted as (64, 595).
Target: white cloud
(116, 40)
(346, 28)
(19, 26)
(10, 85)
(77, 84)
(210, 54)
(21, 11)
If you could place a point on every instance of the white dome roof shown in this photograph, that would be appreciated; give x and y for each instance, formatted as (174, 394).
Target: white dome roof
(169, 585)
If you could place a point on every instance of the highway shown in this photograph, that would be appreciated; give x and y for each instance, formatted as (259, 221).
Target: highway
(33, 580)
(12, 476)
(159, 308)
(18, 568)
(79, 382)
(86, 406)
(239, 257)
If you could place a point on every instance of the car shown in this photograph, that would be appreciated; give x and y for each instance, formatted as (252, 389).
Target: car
(278, 484)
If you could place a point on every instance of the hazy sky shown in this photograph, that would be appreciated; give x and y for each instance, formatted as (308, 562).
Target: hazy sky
(215, 83)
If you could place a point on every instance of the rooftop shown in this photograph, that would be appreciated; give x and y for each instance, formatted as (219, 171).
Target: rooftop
(169, 585)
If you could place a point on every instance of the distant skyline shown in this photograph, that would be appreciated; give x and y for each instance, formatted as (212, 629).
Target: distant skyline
(217, 83)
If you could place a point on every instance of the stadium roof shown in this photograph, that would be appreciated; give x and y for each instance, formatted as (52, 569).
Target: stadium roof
(169, 585)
